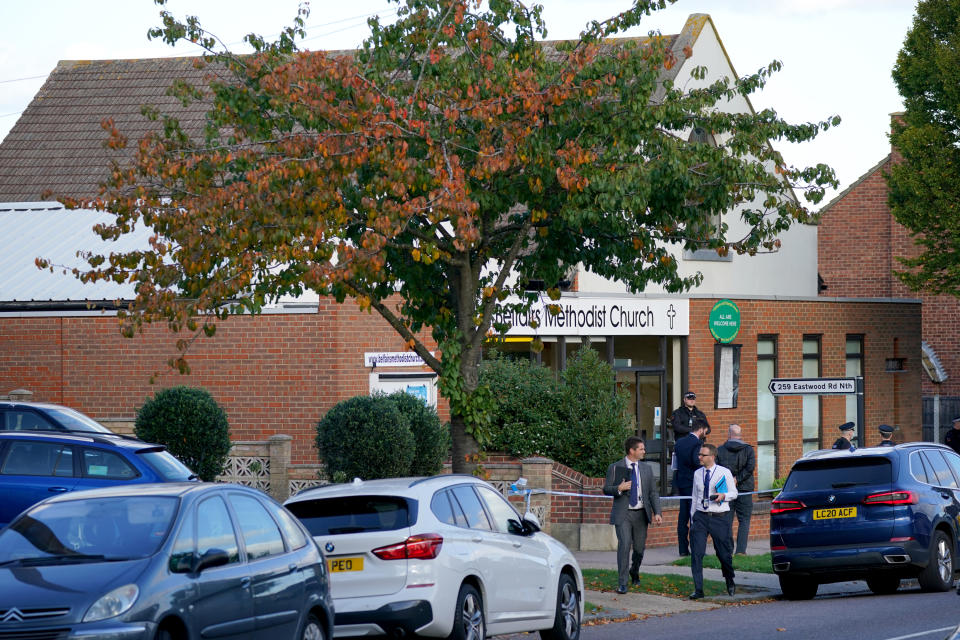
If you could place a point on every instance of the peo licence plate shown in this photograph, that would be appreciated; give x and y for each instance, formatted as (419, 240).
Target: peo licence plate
(835, 512)
(345, 564)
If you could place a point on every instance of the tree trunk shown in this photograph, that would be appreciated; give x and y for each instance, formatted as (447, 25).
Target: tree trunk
(464, 449)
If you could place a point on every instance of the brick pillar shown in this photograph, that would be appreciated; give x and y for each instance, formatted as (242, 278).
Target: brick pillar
(279, 448)
(538, 472)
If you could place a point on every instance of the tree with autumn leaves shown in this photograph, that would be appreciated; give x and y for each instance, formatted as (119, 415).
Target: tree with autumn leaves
(435, 172)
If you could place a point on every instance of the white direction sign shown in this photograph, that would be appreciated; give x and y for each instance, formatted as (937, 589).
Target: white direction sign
(812, 386)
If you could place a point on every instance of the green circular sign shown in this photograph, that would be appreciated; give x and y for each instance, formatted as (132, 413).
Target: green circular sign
(725, 321)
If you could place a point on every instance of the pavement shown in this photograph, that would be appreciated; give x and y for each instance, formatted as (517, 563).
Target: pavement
(751, 587)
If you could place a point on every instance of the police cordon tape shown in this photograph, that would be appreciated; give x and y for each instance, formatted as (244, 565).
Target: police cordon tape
(518, 489)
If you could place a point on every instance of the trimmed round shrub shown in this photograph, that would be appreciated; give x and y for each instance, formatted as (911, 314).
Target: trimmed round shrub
(365, 437)
(431, 437)
(191, 425)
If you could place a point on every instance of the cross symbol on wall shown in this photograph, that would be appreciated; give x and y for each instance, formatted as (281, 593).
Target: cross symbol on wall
(671, 313)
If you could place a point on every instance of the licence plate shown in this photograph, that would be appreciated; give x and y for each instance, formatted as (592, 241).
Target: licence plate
(835, 512)
(345, 564)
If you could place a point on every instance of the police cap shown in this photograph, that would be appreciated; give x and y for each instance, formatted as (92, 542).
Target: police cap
(692, 396)
(846, 426)
(885, 429)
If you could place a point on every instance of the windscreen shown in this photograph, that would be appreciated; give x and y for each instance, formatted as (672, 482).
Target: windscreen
(354, 514)
(838, 474)
(76, 421)
(83, 530)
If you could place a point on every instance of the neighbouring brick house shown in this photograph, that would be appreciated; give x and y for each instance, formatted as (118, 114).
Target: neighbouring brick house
(859, 243)
(278, 373)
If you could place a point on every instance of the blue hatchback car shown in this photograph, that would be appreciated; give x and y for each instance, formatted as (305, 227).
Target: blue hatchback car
(879, 514)
(173, 561)
(35, 465)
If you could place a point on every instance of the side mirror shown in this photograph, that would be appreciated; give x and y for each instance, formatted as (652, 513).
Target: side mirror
(531, 522)
(182, 562)
(212, 558)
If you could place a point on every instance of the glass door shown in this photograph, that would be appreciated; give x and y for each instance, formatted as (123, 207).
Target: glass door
(646, 389)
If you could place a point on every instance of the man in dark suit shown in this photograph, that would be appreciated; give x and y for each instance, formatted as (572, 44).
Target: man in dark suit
(636, 502)
(687, 451)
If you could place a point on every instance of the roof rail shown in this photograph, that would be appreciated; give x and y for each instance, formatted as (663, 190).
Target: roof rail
(441, 477)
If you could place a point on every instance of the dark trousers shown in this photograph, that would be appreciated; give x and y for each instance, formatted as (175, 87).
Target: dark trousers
(717, 526)
(683, 521)
(631, 532)
(742, 509)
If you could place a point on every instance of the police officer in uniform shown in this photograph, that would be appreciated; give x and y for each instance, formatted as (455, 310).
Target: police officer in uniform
(886, 433)
(687, 416)
(845, 441)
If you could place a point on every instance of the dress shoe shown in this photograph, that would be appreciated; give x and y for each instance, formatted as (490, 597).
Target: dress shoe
(622, 589)
(696, 595)
(634, 578)
(684, 553)
(731, 587)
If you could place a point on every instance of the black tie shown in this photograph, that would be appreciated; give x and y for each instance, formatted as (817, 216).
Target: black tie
(634, 491)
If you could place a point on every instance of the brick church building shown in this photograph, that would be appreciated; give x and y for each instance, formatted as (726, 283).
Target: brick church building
(859, 243)
(280, 372)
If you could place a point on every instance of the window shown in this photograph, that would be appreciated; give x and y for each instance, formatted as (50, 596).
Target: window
(181, 556)
(505, 518)
(811, 403)
(854, 354)
(354, 514)
(726, 375)
(261, 537)
(214, 530)
(470, 503)
(98, 463)
(940, 469)
(26, 420)
(38, 459)
(291, 531)
(766, 412)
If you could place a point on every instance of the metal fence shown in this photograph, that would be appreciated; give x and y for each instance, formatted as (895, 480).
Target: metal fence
(949, 408)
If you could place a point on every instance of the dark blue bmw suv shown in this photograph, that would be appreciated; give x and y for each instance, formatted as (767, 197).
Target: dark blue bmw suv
(879, 514)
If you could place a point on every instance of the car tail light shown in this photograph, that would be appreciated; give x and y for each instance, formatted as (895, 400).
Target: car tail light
(424, 547)
(779, 547)
(892, 497)
(783, 506)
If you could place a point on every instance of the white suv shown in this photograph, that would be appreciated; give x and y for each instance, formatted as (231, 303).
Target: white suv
(440, 556)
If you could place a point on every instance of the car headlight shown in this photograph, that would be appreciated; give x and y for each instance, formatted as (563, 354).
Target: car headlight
(113, 604)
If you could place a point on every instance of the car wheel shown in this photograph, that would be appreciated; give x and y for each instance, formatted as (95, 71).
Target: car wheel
(794, 588)
(566, 622)
(468, 622)
(312, 629)
(938, 576)
(881, 584)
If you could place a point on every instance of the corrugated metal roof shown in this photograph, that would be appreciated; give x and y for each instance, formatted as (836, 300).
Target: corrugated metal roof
(34, 230)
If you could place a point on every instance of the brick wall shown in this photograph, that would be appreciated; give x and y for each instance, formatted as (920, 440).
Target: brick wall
(858, 245)
(889, 330)
(275, 373)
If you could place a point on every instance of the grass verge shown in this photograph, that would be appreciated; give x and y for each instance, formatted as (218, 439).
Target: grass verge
(754, 564)
(673, 585)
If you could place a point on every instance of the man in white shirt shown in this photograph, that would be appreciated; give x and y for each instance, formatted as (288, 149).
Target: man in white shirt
(713, 489)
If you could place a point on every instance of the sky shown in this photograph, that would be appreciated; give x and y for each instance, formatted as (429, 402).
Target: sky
(837, 55)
